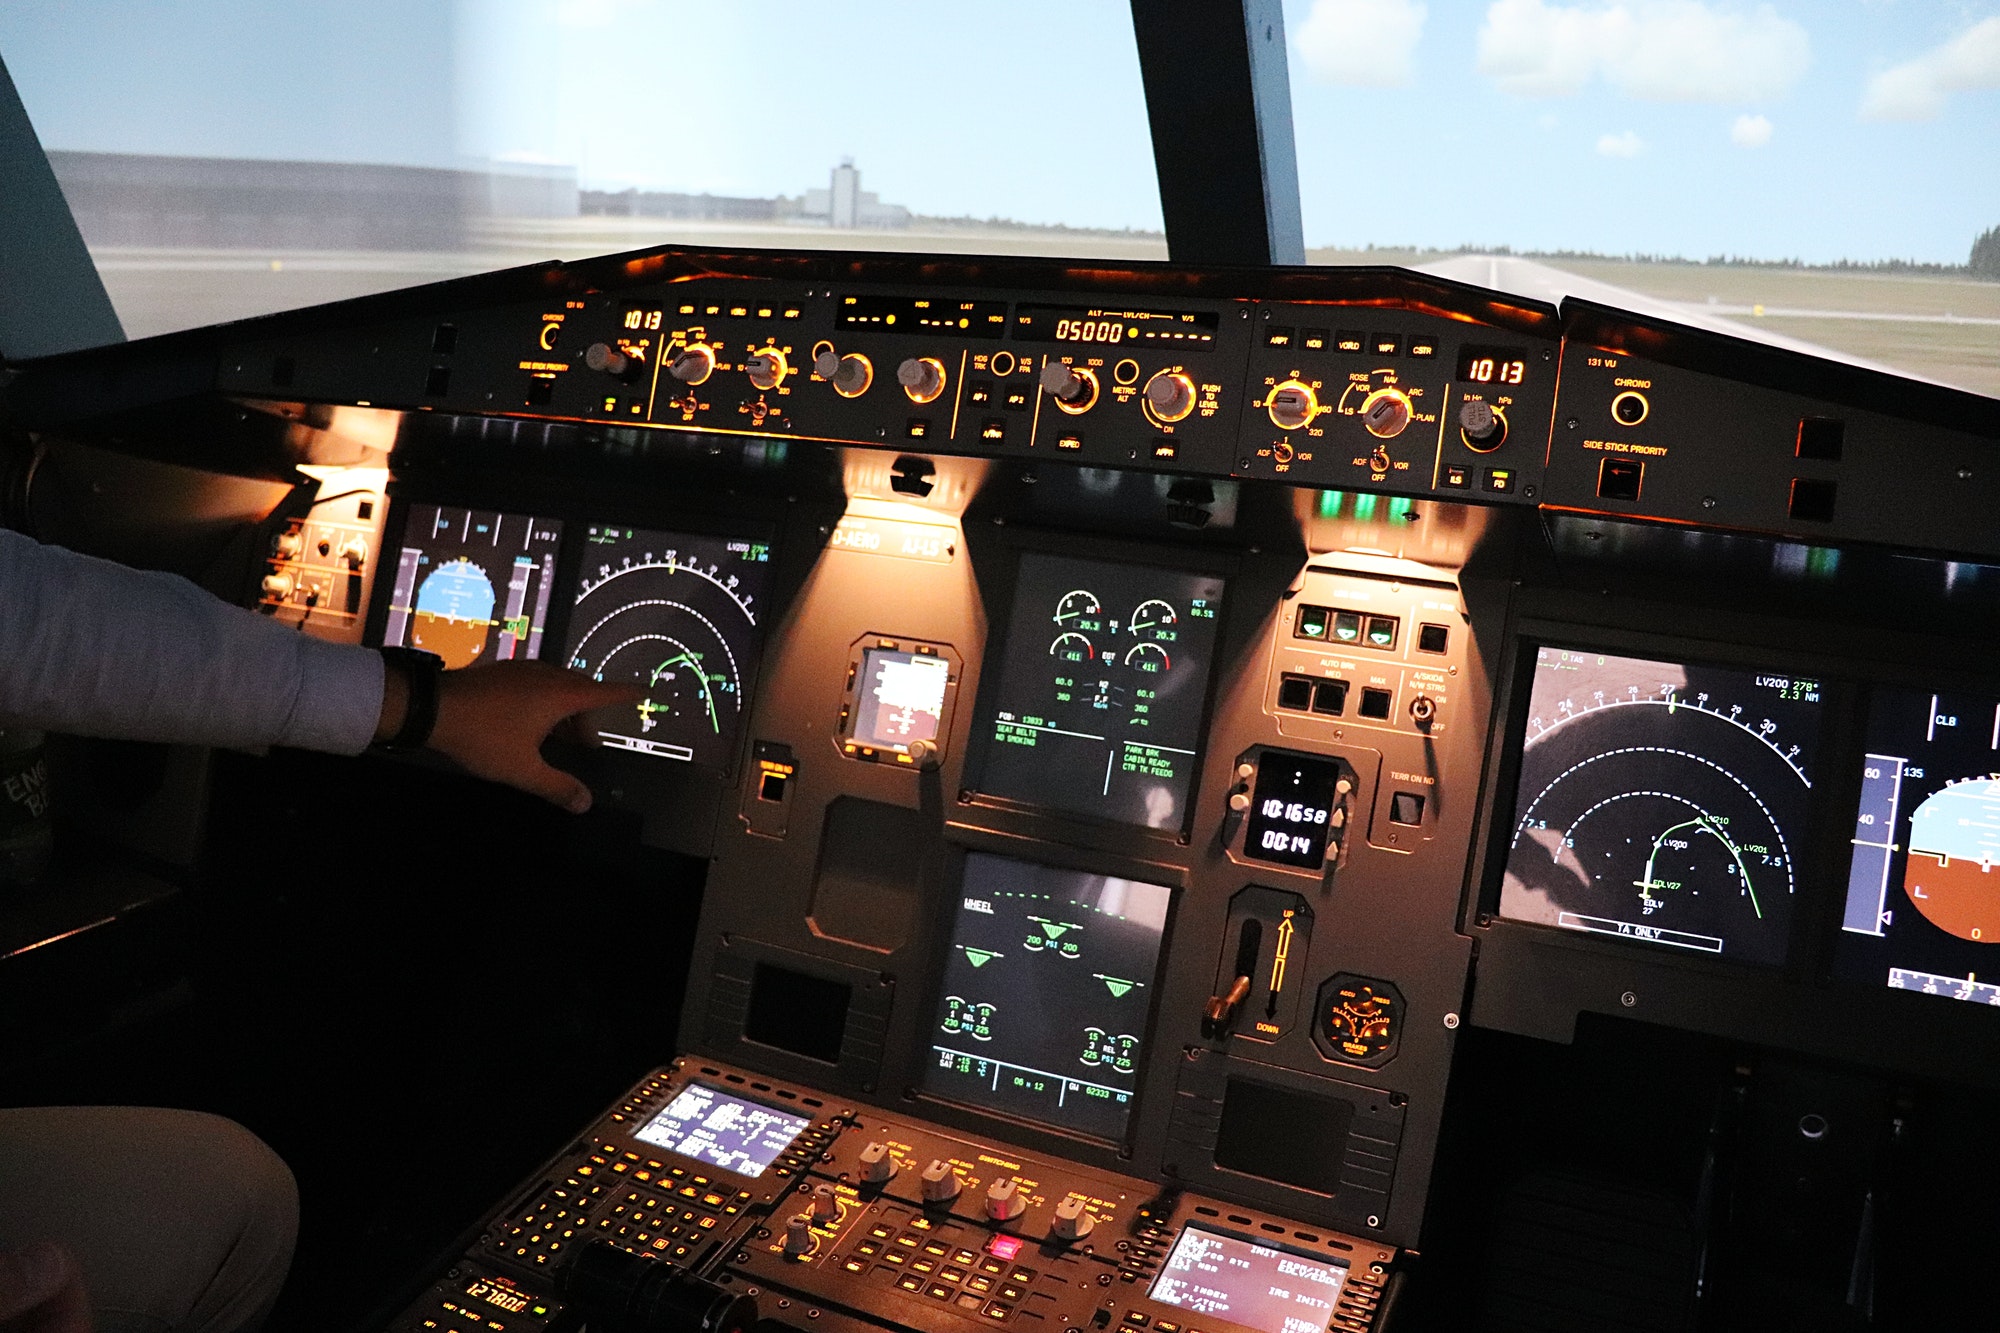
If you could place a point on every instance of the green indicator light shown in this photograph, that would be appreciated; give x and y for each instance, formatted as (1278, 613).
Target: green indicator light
(1822, 562)
(1364, 507)
(1329, 504)
(1347, 627)
(1312, 622)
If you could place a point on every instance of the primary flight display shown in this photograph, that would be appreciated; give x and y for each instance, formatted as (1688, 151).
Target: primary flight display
(472, 585)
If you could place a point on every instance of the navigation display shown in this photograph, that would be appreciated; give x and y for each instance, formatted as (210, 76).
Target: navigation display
(1046, 993)
(1101, 688)
(1923, 882)
(900, 700)
(713, 1126)
(1662, 802)
(681, 615)
(1250, 1284)
(472, 585)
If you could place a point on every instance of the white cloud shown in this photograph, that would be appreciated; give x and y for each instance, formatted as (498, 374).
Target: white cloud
(1627, 144)
(1750, 132)
(1916, 89)
(1658, 50)
(1361, 43)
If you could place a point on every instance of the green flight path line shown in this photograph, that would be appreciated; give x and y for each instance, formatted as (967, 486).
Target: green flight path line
(1701, 822)
(693, 661)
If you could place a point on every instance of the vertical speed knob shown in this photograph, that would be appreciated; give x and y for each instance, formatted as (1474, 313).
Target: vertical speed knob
(1073, 387)
(940, 1182)
(1171, 395)
(877, 1166)
(1385, 413)
(849, 375)
(1291, 405)
(694, 365)
(767, 368)
(922, 378)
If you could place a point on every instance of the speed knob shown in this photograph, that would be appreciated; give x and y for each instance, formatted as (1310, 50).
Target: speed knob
(694, 365)
(1171, 395)
(849, 375)
(1482, 428)
(1004, 1201)
(1073, 387)
(1291, 405)
(1385, 413)
(767, 369)
(605, 358)
(940, 1182)
(1073, 1221)
(922, 378)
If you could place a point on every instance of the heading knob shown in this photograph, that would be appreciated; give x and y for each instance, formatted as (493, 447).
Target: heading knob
(1073, 1220)
(877, 1166)
(767, 369)
(1004, 1201)
(922, 378)
(940, 1182)
(849, 375)
(694, 365)
(1291, 405)
(1171, 395)
(1385, 413)
(1073, 387)
(1483, 429)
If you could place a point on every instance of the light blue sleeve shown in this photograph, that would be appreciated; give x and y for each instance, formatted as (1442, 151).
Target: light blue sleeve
(93, 648)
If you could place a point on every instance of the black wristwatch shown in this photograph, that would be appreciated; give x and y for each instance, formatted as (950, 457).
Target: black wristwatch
(422, 671)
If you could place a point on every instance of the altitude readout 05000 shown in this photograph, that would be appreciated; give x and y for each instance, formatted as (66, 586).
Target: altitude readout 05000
(1295, 814)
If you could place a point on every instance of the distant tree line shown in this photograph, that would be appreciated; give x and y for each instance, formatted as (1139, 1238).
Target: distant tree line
(1985, 262)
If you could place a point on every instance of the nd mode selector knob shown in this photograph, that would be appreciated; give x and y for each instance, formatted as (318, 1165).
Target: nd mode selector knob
(1171, 395)
(922, 378)
(767, 368)
(1386, 412)
(849, 375)
(1291, 405)
(694, 365)
(1073, 387)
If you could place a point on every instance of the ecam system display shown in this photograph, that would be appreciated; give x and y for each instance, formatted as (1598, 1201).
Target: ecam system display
(1103, 681)
(472, 585)
(1662, 802)
(1923, 883)
(1046, 992)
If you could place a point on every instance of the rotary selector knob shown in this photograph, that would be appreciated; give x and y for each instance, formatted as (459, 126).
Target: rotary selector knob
(1483, 429)
(1291, 405)
(922, 378)
(278, 585)
(1171, 395)
(1004, 1201)
(825, 1204)
(940, 1182)
(609, 360)
(767, 368)
(877, 1166)
(1239, 801)
(798, 1236)
(1385, 413)
(355, 553)
(288, 546)
(1073, 1220)
(1073, 387)
(849, 375)
(694, 365)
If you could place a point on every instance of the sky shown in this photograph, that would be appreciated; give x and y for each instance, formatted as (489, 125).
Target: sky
(1858, 129)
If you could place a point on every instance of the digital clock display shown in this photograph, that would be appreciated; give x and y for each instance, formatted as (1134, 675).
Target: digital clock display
(1114, 328)
(1290, 810)
(1492, 365)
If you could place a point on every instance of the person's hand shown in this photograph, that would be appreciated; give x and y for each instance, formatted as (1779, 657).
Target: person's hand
(41, 1291)
(493, 718)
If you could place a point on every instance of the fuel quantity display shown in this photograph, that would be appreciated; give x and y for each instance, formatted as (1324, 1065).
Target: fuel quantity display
(681, 615)
(1662, 802)
(1102, 685)
(1923, 886)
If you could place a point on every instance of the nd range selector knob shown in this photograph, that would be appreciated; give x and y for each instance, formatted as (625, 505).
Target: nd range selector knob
(1073, 387)
(849, 375)
(1004, 1200)
(1073, 1221)
(940, 1182)
(1481, 427)
(608, 360)
(1171, 395)
(767, 368)
(922, 378)
(1386, 412)
(1291, 405)
(694, 365)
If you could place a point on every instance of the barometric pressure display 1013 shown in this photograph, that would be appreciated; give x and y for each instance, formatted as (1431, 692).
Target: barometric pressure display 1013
(680, 614)
(1662, 802)
(1102, 685)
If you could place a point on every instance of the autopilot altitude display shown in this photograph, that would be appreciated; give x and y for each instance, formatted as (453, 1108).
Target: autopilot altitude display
(472, 585)
(1662, 802)
(1102, 684)
(1923, 884)
(1046, 994)
(681, 615)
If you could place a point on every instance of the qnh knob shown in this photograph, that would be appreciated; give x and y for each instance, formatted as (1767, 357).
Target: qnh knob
(1291, 405)
(1171, 395)
(825, 1204)
(278, 585)
(849, 375)
(1073, 388)
(607, 359)
(922, 378)
(798, 1236)
(288, 546)
(940, 1182)
(694, 365)
(1004, 1201)
(1483, 429)
(767, 369)
(1073, 1220)
(877, 1166)
(1385, 413)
